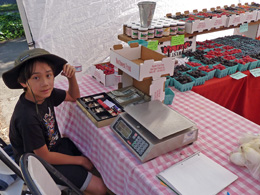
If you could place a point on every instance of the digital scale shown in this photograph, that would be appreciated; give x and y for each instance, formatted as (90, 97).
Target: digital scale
(152, 128)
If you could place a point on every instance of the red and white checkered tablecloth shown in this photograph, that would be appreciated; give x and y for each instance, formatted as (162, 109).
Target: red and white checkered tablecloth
(123, 173)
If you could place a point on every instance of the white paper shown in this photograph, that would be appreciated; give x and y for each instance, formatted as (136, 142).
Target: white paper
(238, 75)
(255, 72)
(197, 174)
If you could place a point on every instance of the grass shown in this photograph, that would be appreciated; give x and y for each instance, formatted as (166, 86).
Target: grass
(8, 7)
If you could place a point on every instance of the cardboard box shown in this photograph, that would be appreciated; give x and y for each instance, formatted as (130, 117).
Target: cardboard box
(140, 62)
(153, 88)
(106, 80)
(234, 19)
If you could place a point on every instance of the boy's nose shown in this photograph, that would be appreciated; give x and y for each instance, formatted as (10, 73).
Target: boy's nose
(44, 81)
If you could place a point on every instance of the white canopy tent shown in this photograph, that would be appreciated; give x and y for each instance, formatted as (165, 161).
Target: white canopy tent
(85, 30)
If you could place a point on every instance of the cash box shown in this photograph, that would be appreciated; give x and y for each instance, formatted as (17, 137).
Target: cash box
(100, 108)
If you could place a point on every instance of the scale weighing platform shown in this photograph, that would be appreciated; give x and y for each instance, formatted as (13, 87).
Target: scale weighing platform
(152, 128)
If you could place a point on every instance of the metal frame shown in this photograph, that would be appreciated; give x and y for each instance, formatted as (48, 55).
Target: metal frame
(27, 30)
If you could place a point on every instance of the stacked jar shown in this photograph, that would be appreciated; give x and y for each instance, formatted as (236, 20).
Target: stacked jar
(134, 31)
(181, 28)
(159, 27)
(142, 33)
(173, 28)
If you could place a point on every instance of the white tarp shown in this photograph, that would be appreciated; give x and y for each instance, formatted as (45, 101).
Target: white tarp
(85, 30)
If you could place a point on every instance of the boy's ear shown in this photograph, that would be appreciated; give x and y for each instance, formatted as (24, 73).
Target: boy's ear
(23, 85)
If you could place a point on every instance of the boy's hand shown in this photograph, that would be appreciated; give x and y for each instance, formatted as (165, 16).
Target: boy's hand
(68, 71)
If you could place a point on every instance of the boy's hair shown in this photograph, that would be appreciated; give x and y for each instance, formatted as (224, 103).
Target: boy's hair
(27, 70)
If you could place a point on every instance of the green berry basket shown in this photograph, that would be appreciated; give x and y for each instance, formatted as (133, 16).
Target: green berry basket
(193, 67)
(169, 95)
(243, 67)
(258, 63)
(221, 73)
(183, 87)
(167, 82)
(210, 74)
(199, 80)
(253, 65)
(231, 69)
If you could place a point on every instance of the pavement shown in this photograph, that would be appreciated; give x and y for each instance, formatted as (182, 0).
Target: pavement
(9, 50)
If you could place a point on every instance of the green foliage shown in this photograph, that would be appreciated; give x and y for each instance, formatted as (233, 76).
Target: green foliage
(10, 26)
(8, 7)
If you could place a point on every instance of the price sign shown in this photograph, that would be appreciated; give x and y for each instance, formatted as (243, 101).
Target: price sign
(255, 72)
(243, 27)
(238, 75)
(153, 45)
(177, 40)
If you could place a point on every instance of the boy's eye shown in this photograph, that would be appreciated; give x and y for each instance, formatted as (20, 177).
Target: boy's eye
(36, 78)
(49, 75)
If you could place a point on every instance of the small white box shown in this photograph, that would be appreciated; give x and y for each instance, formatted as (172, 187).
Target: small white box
(106, 80)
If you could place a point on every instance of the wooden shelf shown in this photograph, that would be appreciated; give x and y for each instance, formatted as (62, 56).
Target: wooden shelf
(125, 38)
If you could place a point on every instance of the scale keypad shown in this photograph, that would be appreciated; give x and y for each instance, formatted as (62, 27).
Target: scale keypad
(140, 145)
(131, 137)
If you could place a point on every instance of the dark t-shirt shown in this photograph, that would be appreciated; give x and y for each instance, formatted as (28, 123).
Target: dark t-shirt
(29, 130)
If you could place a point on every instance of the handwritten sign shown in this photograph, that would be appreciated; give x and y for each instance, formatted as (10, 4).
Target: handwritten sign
(153, 45)
(177, 40)
(243, 27)
(238, 75)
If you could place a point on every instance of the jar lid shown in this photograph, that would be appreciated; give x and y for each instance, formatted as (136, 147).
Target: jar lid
(180, 23)
(151, 27)
(134, 27)
(166, 25)
(173, 23)
(142, 28)
(159, 26)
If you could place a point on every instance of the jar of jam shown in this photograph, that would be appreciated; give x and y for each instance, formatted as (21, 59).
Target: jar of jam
(181, 28)
(142, 33)
(158, 31)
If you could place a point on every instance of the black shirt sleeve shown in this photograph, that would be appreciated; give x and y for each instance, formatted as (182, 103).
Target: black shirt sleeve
(59, 96)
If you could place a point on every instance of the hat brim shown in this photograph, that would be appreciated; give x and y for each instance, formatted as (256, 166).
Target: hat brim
(10, 77)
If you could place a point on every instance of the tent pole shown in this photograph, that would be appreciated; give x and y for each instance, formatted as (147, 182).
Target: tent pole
(25, 23)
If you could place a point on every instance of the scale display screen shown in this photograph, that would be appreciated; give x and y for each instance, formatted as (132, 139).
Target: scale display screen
(123, 129)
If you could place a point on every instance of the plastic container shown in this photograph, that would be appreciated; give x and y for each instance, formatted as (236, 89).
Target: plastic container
(158, 31)
(181, 28)
(169, 95)
(134, 32)
(142, 33)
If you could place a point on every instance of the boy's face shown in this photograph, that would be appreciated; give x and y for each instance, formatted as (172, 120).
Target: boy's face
(41, 82)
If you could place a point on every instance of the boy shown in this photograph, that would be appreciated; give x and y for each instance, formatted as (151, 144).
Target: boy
(33, 126)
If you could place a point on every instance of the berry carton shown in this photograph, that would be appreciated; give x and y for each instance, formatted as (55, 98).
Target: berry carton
(105, 74)
(221, 71)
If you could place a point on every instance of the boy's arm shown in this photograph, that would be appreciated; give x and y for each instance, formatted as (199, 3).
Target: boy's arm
(73, 92)
(56, 158)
